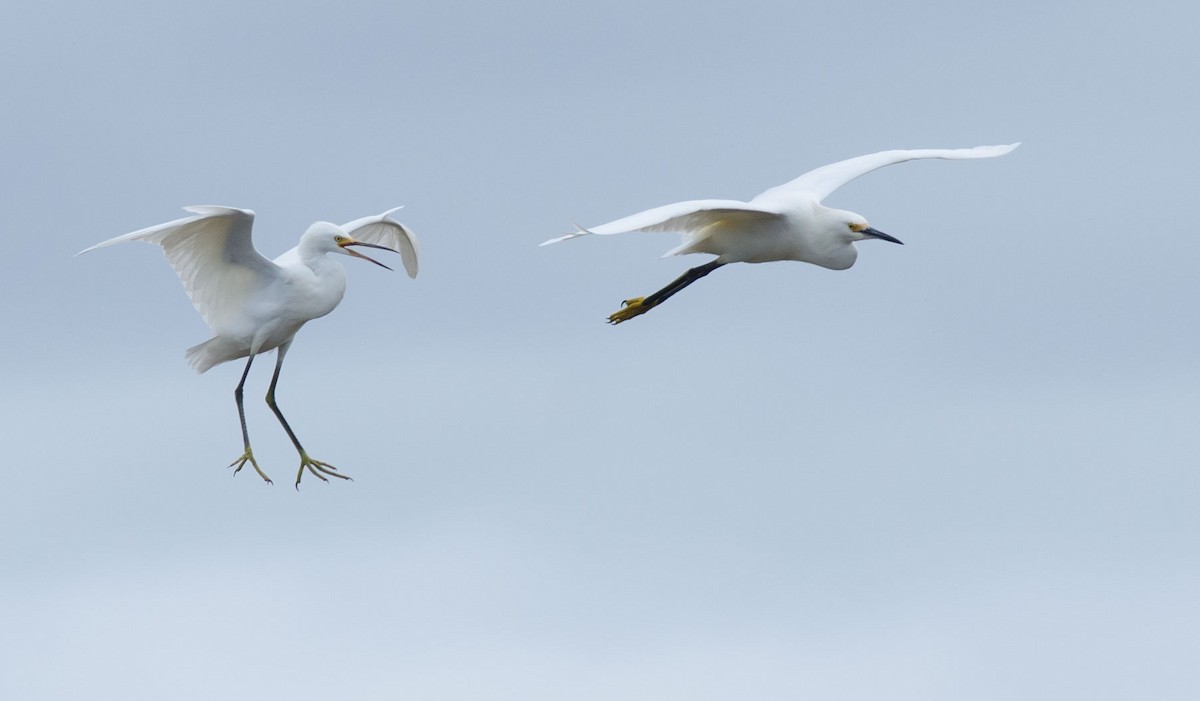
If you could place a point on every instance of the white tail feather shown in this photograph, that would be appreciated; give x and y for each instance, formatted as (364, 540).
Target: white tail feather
(213, 352)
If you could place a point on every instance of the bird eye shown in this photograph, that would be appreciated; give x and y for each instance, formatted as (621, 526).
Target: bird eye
(339, 239)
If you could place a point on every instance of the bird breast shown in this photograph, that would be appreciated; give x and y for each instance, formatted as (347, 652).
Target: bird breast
(273, 315)
(312, 293)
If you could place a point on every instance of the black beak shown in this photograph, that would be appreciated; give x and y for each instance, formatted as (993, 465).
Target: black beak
(877, 234)
(356, 254)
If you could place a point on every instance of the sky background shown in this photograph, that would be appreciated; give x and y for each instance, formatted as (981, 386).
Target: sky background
(963, 469)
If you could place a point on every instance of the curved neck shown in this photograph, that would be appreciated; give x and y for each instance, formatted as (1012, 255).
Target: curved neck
(312, 254)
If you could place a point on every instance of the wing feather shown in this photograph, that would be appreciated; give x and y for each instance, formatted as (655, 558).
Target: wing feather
(819, 183)
(686, 217)
(214, 256)
(382, 230)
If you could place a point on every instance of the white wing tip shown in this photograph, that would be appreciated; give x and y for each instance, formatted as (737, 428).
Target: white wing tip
(579, 231)
(997, 150)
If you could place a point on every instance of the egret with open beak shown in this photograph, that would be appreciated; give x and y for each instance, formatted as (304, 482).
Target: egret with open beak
(254, 305)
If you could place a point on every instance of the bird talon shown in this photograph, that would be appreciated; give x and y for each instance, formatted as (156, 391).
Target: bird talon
(629, 309)
(318, 469)
(248, 457)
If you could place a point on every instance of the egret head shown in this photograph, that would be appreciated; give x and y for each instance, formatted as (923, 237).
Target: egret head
(856, 228)
(331, 238)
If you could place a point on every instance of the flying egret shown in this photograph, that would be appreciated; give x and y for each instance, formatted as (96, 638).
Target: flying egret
(787, 222)
(253, 305)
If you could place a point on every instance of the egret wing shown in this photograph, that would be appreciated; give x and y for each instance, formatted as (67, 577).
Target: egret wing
(819, 183)
(686, 217)
(214, 257)
(382, 230)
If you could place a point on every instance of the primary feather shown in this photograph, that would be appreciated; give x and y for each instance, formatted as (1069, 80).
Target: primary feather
(214, 256)
(819, 183)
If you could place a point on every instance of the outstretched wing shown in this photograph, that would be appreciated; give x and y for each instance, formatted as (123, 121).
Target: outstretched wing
(382, 230)
(819, 183)
(686, 217)
(214, 257)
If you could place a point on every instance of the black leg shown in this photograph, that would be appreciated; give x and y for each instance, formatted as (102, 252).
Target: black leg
(248, 456)
(237, 395)
(641, 305)
(681, 282)
(318, 468)
(275, 407)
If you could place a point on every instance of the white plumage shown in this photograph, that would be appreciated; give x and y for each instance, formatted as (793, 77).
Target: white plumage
(254, 305)
(787, 222)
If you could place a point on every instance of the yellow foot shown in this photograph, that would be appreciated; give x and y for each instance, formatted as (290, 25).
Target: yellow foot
(318, 468)
(248, 457)
(629, 309)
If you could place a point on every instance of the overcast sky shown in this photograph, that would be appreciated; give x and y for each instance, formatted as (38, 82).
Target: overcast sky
(963, 469)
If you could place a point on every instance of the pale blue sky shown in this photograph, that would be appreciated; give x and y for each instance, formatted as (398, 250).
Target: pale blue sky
(963, 469)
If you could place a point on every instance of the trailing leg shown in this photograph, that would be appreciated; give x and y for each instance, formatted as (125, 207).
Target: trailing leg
(640, 305)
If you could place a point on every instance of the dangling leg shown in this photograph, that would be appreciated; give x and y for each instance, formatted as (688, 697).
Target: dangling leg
(640, 305)
(248, 456)
(314, 466)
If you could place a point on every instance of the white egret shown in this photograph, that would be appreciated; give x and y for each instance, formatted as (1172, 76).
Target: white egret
(254, 305)
(787, 222)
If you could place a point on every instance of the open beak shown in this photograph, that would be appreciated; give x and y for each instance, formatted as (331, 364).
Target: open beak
(356, 254)
(877, 234)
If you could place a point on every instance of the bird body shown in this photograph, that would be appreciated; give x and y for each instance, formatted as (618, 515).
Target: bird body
(307, 285)
(253, 305)
(762, 237)
(786, 222)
